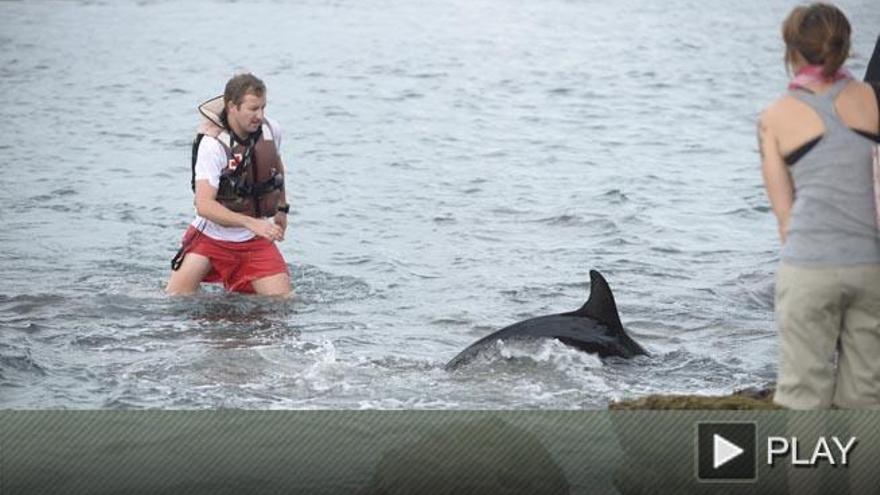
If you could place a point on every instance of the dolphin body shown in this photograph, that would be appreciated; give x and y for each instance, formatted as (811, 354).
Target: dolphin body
(594, 328)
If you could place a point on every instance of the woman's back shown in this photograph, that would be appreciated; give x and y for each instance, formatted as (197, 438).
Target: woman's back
(796, 123)
(826, 135)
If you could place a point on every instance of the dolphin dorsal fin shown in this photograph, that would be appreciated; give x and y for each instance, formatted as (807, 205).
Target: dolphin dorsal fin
(600, 306)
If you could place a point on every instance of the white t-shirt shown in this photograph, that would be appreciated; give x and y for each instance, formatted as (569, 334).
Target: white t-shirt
(210, 162)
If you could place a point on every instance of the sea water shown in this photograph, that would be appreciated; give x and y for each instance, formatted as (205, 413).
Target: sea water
(454, 166)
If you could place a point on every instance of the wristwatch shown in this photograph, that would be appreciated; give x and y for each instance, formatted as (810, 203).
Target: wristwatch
(285, 208)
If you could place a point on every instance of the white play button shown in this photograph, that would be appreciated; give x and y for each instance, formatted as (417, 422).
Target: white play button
(726, 451)
(723, 450)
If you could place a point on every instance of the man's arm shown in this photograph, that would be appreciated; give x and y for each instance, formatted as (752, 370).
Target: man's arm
(210, 160)
(281, 217)
(208, 207)
(777, 180)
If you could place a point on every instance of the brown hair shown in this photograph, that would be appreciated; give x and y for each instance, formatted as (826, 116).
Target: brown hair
(820, 33)
(241, 85)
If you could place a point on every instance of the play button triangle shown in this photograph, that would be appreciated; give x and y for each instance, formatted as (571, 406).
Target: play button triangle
(723, 450)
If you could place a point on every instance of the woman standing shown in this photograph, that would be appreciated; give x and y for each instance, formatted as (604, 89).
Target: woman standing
(817, 144)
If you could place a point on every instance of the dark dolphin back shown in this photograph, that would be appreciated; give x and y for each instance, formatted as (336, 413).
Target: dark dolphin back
(595, 327)
(600, 306)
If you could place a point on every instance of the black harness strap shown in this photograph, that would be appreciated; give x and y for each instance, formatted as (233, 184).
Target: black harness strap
(177, 260)
(195, 156)
(255, 196)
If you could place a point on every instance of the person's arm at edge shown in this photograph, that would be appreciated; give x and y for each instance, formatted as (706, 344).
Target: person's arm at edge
(872, 73)
(777, 180)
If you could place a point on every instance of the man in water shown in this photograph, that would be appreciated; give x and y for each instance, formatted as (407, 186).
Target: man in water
(241, 207)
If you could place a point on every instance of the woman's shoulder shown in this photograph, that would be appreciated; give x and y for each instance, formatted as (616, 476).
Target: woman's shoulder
(779, 108)
(859, 89)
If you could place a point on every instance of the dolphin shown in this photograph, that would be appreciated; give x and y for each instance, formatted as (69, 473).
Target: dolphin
(594, 328)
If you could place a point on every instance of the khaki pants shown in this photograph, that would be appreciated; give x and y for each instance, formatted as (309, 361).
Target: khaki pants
(825, 313)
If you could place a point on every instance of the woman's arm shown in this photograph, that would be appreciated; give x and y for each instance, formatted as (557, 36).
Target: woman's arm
(777, 180)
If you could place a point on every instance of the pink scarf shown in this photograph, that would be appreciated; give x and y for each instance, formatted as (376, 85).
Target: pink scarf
(812, 74)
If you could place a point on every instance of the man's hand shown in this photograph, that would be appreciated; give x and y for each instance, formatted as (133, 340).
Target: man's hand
(265, 229)
(281, 222)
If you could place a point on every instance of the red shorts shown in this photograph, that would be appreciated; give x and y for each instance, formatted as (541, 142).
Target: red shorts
(236, 264)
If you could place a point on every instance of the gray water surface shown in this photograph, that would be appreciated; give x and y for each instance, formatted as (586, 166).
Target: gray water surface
(455, 166)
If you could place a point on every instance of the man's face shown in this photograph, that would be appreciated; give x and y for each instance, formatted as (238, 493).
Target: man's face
(248, 116)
